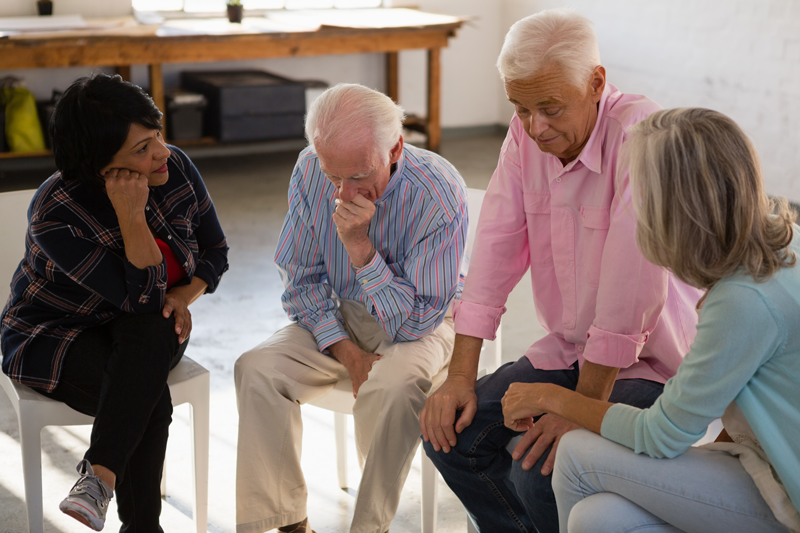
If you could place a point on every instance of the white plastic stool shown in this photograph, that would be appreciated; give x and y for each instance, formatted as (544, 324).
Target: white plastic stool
(188, 383)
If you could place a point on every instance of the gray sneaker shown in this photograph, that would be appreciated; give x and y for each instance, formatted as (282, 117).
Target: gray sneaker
(88, 500)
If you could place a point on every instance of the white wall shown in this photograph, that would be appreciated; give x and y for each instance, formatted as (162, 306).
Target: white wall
(470, 83)
(740, 57)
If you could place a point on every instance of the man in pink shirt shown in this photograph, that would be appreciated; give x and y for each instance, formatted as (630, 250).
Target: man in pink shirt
(559, 203)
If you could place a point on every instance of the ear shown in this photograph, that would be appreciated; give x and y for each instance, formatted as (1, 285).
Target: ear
(598, 83)
(396, 152)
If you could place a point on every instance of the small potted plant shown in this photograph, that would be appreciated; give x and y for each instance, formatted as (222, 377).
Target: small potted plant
(45, 7)
(235, 11)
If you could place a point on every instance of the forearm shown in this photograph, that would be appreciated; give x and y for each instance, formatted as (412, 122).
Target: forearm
(360, 252)
(342, 350)
(140, 246)
(596, 381)
(191, 292)
(466, 355)
(576, 408)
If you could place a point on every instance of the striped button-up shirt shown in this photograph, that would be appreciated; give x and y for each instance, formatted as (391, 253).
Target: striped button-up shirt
(75, 274)
(419, 231)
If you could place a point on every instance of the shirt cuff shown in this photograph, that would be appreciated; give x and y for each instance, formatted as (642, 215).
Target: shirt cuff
(329, 331)
(206, 272)
(619, 424)
(375, 275)
(476, 320)
(145, 281)
(613, 349)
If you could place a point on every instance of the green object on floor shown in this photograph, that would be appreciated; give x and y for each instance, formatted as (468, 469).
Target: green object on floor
(23, 129)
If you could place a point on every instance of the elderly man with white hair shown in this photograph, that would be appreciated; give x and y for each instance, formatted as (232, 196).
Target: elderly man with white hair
(559, 203)
(370, 254)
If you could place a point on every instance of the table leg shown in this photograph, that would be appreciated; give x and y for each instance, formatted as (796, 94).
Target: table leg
(392, 76)
(124, 71)
(434, 128)
(157, 90)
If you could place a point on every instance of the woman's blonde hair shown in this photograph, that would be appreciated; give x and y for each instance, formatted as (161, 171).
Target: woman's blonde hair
(699, 195)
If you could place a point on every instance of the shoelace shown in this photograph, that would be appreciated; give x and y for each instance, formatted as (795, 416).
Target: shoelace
(83, 485)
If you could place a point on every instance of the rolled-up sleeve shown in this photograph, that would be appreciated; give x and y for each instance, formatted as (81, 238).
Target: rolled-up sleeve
(739, 331)
(500, 255)
(631, 295)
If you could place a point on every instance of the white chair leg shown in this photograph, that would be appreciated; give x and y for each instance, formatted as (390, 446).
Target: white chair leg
(470, 526)
(30, 440)
(430, 488)
(199, 421)
(164, 481)
(340, 431)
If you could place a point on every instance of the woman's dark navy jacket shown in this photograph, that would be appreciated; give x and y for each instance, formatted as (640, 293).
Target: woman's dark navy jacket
(75, 275)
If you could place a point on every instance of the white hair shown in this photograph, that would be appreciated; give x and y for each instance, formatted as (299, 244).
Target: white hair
(555, 37)
(354, 114)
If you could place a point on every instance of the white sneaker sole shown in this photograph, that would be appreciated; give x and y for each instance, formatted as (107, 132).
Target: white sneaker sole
(82, 514)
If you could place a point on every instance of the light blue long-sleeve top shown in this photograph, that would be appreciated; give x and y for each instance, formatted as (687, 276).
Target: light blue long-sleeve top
(747, 350)
(419, 231)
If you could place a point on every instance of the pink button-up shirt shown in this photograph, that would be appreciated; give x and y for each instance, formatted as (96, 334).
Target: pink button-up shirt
(574, 226)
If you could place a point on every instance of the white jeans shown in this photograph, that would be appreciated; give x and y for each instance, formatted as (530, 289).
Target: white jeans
(601, 486)
(274, 378)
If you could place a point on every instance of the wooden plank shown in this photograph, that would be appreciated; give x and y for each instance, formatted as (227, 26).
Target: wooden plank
(124, 71)
(100, 51)
(434, 99)
(392, 76)
(157, 92)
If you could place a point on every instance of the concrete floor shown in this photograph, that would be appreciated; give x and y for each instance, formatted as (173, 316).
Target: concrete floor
(250, 197)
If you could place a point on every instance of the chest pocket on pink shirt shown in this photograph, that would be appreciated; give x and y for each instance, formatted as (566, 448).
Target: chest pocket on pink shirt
(595, 221)
(537, 214)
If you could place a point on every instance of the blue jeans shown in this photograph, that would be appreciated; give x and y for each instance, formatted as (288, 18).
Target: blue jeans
(498, 494)
(603, 487)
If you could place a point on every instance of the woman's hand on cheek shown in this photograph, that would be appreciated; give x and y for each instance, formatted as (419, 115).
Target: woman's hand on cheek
(174, 304)
(127, 190)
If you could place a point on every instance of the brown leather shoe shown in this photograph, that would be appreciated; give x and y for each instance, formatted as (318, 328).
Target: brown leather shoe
(300, 527)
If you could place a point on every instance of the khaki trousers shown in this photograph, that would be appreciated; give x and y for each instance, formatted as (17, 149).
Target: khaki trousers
(277, 376)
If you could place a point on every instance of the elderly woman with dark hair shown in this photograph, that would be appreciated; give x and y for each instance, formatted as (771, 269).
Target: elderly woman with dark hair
(120, 241)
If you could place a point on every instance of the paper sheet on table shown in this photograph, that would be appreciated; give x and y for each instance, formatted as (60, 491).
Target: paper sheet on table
(365, 18)
(221, 26)
(57, 22)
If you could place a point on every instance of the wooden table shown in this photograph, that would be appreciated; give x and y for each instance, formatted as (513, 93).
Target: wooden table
(145, 48)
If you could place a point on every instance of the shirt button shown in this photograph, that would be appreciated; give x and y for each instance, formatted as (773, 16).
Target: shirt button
(169, 237)
(147, 208)
(580, 348)
(186, 264)
(363, 282)
(558, 180)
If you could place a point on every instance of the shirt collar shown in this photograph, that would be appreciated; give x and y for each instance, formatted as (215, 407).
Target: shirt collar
(592, 154)
(394, 179)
